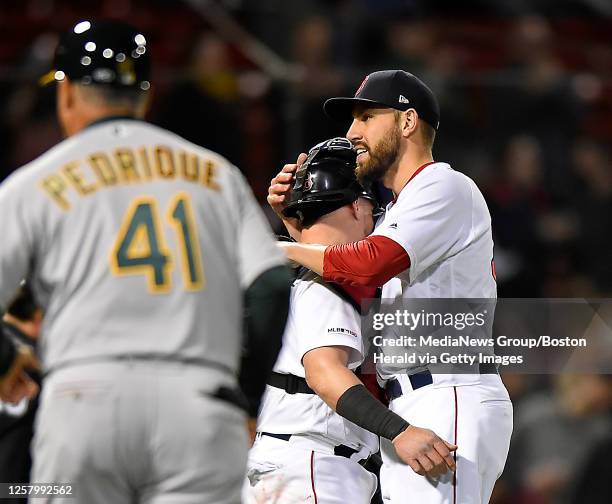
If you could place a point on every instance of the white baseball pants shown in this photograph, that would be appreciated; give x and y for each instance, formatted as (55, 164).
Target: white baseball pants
(296, 472)
(477, 418)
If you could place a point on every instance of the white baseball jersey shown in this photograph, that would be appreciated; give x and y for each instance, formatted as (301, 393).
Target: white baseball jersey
(318, 317)
(442, 221)
(136, 242)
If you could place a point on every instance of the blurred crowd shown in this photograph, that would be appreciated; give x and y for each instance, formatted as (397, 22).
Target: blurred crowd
(525, 89)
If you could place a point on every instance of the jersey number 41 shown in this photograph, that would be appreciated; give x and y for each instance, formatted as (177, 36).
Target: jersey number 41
(140, 247)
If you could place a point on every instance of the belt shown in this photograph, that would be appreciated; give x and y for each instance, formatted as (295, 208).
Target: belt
(423, 378)
(145, 357)
(289, 383)
(340, 450)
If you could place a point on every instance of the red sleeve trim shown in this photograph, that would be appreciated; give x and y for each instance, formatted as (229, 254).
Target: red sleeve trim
(372, 262)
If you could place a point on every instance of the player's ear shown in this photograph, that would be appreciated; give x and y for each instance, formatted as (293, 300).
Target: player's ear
(62, 102)
(355, 209)
(60, 94)
(65, 95)
(408, 122)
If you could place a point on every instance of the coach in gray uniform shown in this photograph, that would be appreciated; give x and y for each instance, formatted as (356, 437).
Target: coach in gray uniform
(144, 250)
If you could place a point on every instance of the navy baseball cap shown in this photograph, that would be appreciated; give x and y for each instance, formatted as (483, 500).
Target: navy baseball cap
(394, 89)
(111, 53)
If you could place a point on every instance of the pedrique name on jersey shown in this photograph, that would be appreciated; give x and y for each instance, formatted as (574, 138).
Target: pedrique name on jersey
(127, 166)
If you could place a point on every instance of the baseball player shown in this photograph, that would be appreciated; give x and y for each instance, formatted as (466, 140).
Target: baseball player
(306, 450)
(434, 242)
(139, 247)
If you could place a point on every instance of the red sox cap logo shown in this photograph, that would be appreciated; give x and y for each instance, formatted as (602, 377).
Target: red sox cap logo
(308, 182)
(361, 85)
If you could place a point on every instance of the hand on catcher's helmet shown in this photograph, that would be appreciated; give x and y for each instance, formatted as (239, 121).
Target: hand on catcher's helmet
(280, 186)
(322, 183)
(317, 184)
(279, 193)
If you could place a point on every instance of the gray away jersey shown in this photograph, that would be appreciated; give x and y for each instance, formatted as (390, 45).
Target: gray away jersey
(136, 242)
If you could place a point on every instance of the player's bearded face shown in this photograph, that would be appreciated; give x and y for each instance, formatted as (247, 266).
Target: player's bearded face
(381, 157)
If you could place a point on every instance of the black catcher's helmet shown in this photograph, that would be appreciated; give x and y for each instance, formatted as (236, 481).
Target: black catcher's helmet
(326, 181)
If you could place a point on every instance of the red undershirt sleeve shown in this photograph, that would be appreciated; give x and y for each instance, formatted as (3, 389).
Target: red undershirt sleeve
(372, 261)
